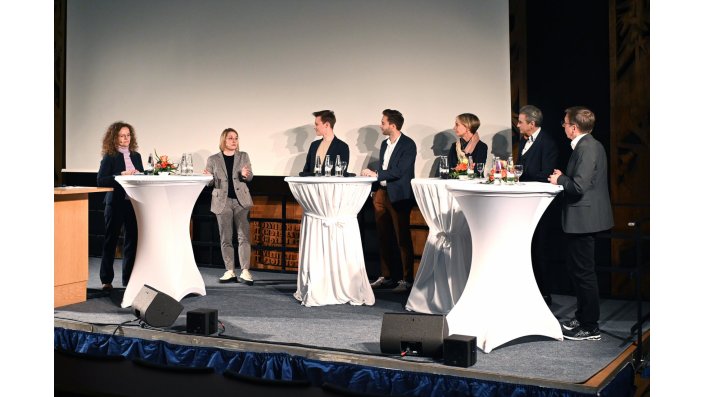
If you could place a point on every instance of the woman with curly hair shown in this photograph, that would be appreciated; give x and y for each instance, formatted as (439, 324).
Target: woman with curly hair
(120, 157)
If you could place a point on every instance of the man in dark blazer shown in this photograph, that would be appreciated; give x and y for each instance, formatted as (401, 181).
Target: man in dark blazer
(586, 211)
(330, 144)
(392, 201)
(538, 154)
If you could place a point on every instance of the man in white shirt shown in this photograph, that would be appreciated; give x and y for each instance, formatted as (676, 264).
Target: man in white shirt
(393, 200)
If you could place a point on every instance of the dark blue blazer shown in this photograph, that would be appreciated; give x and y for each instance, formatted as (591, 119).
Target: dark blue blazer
(337, 147)
(400, 170)
(540, 160)
(110, 167)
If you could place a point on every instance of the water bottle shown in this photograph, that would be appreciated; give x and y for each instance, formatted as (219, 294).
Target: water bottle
(443, 167)
(150, 162)
(338, 166)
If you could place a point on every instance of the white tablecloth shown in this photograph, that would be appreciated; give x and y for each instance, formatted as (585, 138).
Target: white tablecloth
(445, 262)
(331, 262)
(164, 261)
(501, 301)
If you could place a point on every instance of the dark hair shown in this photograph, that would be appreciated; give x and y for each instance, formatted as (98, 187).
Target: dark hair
(532, 113)
(394, 117)
(327, 116)
(110, 139)
(581, 116)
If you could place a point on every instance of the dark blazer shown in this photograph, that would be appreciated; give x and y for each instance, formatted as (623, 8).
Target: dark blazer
(400, 170)
(337, 147)
(540, 160)
(586, 204)
(112, 166)
(479, 154)
(216, 166)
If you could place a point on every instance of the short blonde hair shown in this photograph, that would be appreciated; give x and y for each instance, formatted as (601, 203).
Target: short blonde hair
(224, 135)
(470, 121)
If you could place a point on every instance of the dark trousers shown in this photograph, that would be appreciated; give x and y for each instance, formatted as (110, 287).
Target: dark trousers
(115, 217)
(581, 267)
(392, 219)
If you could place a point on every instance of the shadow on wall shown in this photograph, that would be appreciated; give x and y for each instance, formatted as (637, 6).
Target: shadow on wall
(367, 146)
(442, 142)
(297, 142)
(501, 147)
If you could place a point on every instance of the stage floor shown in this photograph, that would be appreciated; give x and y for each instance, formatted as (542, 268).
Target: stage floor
(266, 317)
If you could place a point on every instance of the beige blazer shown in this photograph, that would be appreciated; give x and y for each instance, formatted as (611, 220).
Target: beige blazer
(216, 166)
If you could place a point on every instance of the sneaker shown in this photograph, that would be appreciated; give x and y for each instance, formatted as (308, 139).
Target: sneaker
(246, 275)
(570, 324)
(228, 276)
(580, 333)
(378, 283)
(402, 286)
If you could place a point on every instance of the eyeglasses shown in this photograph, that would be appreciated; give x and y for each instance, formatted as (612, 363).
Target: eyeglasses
(563, 123)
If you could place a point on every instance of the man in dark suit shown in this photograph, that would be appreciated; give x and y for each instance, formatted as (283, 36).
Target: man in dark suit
(538, 155)
(586, 211)
(393, 199)
(330, 144)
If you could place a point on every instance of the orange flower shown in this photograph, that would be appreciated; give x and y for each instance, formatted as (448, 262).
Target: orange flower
(461, 167)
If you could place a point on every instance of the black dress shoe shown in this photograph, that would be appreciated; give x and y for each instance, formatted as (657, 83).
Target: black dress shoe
(107, 287)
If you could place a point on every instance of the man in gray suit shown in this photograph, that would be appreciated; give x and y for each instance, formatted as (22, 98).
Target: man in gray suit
(231, 202)
(586, 211)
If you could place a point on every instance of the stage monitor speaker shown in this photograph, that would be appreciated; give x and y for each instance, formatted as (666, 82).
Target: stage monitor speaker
(202, 321)
(460, 350)
(413, 334)
(155, 308)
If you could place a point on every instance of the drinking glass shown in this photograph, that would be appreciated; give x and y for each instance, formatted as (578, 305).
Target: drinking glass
(481, 169)
(343, 167)
(182, 165)
(317, 167)
(189, 164)
(443, 167)
(328, 165)
(518, 170)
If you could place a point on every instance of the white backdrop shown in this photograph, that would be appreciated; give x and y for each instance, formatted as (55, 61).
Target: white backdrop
(181, 71)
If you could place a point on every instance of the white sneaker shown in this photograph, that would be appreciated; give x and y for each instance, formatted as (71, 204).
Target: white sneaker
(246, 275)
(378, 283)
(402, 286)
(227, 276)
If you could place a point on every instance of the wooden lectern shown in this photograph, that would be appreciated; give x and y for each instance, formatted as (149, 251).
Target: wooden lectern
(71, 243)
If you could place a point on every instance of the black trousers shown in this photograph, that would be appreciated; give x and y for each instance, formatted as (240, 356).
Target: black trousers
(581, 268)
(117, 215)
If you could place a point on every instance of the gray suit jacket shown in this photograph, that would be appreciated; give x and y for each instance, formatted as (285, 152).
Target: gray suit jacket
(216, 166)
(586, 205)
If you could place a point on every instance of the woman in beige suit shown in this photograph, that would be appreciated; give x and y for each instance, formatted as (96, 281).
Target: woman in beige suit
(231, 203)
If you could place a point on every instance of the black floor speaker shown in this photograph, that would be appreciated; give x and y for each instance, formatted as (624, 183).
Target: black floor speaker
(202, 321)
(413, 334)
(155, 308)
(460, 350)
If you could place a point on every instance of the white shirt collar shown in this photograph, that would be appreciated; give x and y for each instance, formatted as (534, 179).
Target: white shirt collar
(575, 141)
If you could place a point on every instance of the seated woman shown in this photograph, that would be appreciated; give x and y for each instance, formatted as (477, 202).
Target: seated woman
(330, 145)
(469, 143)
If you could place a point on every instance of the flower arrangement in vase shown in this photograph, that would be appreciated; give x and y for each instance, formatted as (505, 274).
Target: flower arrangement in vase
(163, 166)
(461, 170)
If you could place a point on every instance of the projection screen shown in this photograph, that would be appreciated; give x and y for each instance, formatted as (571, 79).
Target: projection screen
(181, 71)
